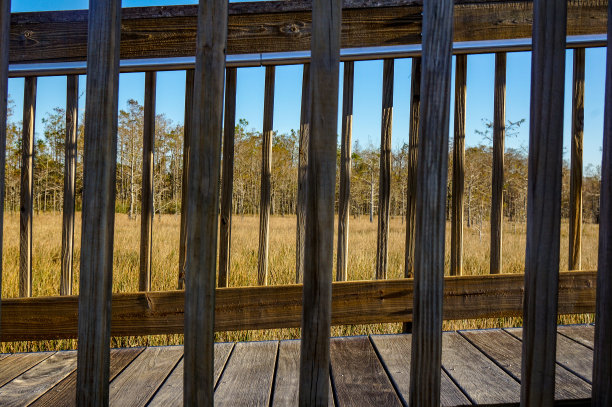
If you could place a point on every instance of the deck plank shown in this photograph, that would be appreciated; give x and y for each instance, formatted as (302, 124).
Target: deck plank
(570, 354)
(247, 379)
(506, 351)
(64, 393)
(13, 365)
(287, 378)
(28, 386)
(585, 334)
(481, 379)
(395, 351)
(358, 375)
(171, 392)
(141, 379)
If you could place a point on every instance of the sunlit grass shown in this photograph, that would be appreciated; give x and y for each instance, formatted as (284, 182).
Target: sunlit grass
(361, 265)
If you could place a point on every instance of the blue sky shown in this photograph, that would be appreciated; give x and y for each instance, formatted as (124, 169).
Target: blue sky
(367, 92)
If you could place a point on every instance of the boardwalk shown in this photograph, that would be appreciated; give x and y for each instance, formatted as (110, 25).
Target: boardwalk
(478, 367)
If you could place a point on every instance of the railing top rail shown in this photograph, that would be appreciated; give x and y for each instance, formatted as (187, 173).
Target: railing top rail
(297, 57)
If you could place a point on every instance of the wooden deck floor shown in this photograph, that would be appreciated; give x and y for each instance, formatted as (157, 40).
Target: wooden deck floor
(478, 367)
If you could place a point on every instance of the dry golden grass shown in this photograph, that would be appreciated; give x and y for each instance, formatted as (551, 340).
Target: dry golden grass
(361, 263)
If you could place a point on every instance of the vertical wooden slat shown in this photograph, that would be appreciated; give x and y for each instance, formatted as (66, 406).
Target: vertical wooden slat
(266, 178)
(456, 257)
(344, 198)
(302, 174)
(431, 203)
(189, 79)
(100, 162)
(72, 118)
(316, 313)
(227, 177)
(602, 358)
(5, 22)
(148, 153)
(543, 203)
(413, 149)
(203, 203)
(27, 188)
(497, 181)
(384, 182)
(575, 203)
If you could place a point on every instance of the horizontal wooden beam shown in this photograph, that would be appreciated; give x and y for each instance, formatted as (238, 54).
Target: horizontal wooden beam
(282, 26)
(354, 302)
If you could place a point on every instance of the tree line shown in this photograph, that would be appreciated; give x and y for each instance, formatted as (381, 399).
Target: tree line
(168, 167)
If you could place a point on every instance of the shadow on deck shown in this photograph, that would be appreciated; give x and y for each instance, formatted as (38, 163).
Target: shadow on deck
(478, 367)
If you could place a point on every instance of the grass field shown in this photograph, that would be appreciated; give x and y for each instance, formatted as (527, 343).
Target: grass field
(361, 264)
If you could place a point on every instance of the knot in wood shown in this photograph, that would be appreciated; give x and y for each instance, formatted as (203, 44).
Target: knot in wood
(293, 28)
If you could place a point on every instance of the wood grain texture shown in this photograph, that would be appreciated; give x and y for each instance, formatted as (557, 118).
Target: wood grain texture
(12, 366)
(505, 351)
(432, 173)
(384, 180)
(240, 308)
(394, 352)
(27, 188)
(570, 354)
(171, 392)
(497, 173)
(456, 257)
(287, 375)
(321, 178)
(70, 164)
(227, 177)
(28, 386)
(248, 376)
(283, 26)
(575, 197)
(584, 334)
(413, 149)
(148, 164)
(98, 212)
(359, 377)
(5, 15)
(141, 379)
(543, 203)
(344, 197)
(187, 135)
(602, 359)
(266, 178)
(300, 235)
(203, 203)
(482, 380)
(63, 394)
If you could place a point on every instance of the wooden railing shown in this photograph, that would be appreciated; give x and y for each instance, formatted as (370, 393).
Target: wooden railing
(324, 28)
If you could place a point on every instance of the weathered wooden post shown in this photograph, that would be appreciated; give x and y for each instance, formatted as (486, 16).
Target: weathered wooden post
(300, 235)
(27, 188)
(456, 249)
(413, 149)
(72, 118)
(227, 177)
(344, 197)
(430, 207)
(187, 131)
(203, 203)
(384, 183)
(148, 153)
(497, 177)
(99, 174)
(575, 201)
(543, 203)
(319, 244)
